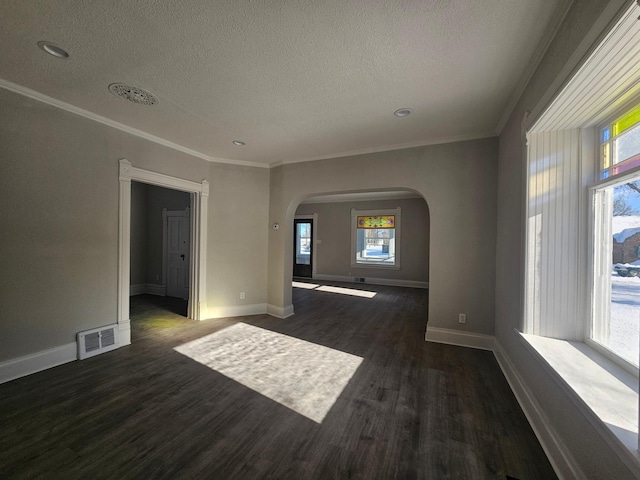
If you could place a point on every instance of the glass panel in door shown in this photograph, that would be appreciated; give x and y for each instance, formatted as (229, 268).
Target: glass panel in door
(302, 249)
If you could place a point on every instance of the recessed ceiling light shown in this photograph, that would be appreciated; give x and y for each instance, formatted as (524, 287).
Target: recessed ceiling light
(239, 143)
(402, 112)
(133, 94)
(53, 49)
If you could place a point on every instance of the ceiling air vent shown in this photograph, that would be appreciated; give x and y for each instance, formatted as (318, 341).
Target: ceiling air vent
(133, 94)
(96, 341)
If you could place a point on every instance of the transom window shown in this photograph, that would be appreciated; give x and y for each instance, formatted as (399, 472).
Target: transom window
(620, 144)
(375, 238)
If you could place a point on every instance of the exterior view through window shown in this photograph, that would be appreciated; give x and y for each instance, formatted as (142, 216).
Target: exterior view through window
(617, 239)
(375, 238)
(303, 243)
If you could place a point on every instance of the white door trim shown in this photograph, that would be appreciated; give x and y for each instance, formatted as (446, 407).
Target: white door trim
(199, 197)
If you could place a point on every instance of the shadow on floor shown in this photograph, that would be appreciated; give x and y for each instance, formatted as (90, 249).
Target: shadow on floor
(140, 304)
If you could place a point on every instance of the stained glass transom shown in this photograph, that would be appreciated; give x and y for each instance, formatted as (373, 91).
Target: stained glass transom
(379, 221)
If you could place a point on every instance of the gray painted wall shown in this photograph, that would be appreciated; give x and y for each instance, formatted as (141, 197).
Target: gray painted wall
(583, 25)
(59, 242)
(458, 182)
(333, 255)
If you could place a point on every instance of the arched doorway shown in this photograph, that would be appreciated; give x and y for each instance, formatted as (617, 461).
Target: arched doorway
(341, 252)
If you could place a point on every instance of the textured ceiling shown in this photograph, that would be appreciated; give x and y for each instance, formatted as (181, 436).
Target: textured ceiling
(296, 80)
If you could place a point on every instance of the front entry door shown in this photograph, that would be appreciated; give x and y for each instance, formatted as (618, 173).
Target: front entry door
(303, 248)
(177, 260)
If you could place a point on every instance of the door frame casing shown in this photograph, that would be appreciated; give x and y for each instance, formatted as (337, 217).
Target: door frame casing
(314, 238)
(198, 241)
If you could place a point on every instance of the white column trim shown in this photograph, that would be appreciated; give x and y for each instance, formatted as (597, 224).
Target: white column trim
(124, 251)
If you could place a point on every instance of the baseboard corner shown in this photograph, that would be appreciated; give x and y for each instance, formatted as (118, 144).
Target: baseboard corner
(459, 338)
(280, 312)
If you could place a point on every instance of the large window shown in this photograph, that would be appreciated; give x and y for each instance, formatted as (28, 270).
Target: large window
(581, 298)
(616, 299)
(375, 238)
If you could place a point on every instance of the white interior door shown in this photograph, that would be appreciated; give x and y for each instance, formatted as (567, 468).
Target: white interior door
(177, 261)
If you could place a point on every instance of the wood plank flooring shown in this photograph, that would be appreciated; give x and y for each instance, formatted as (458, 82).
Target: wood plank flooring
(413, 410)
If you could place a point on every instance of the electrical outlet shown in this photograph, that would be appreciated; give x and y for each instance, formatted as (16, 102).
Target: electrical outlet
(241, 295)
(462, 318)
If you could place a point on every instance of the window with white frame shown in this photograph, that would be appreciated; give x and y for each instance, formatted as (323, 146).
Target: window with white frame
(580, 297)
(616, 239)
(375, 238)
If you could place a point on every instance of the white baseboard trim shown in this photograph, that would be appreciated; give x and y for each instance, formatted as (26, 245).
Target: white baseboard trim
(280, 312)
(137, 289)
(462, 339)
(390, 282)
(36, 362)
(235, 311)
(153, 289)
(557, 452)
(124, 333)
(148, 288)
(331, 278)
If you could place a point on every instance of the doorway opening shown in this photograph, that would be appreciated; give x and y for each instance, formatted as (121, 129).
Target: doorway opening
(197, 242)
(350, 245)
(303, 247)
(160, 242)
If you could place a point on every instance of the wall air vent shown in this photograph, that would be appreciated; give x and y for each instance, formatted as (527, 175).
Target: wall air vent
(359, 279)
(96, 341)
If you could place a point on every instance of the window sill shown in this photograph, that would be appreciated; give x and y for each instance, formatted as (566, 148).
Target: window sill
(604, 388)
(375, 265)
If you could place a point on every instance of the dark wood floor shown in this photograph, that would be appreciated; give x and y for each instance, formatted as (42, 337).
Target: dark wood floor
(412, 410)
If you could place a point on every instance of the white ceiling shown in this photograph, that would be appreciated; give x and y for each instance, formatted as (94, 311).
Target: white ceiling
(296, 80)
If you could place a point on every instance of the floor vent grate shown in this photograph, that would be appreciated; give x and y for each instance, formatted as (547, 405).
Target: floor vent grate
(96, 341)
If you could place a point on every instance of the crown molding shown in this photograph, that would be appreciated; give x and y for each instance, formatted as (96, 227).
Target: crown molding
(41, 97)
(538, 55)
(400, 146)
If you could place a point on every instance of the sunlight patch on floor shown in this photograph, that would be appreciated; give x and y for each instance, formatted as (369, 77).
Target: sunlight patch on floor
(329, 289)
(300, 375)
(308, 286)
(346, 291)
